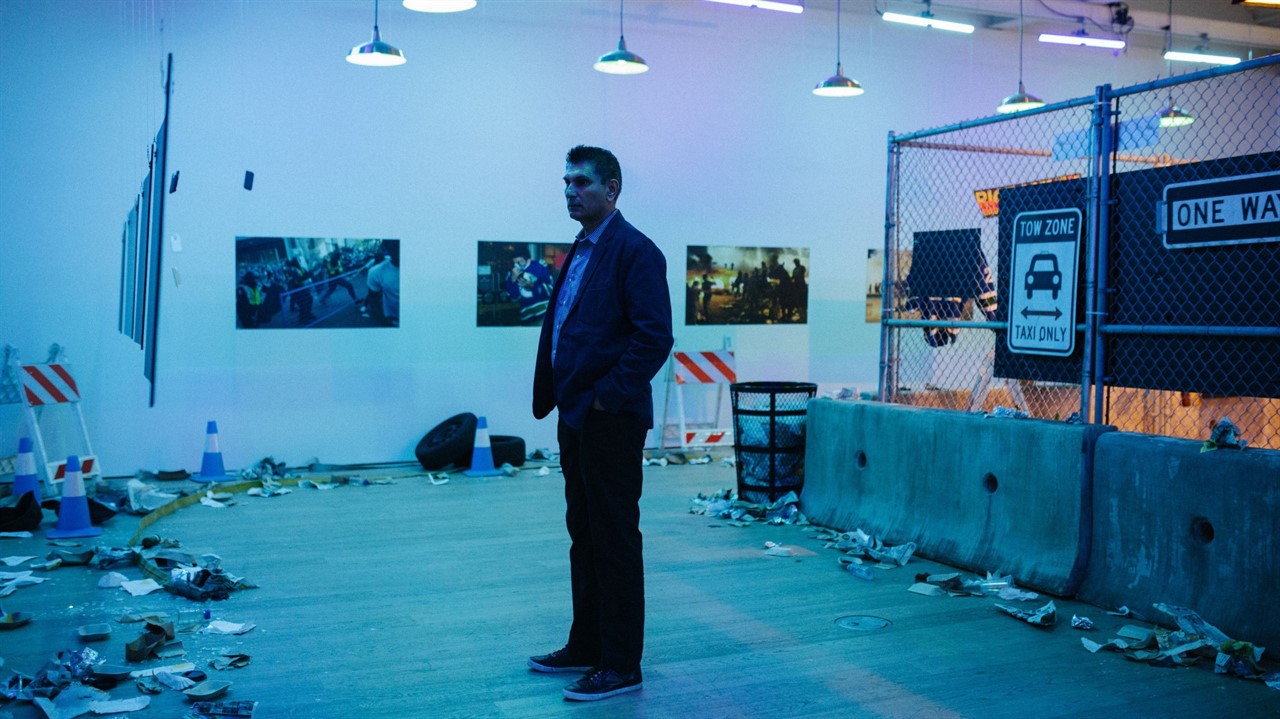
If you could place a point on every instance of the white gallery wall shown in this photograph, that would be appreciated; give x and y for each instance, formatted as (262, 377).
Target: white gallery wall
(721, 143)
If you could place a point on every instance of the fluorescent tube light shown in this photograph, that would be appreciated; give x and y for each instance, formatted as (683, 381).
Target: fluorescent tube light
(1082, 40)
(927, 21)
(1201, 57)
(439, 5)
(792, 6)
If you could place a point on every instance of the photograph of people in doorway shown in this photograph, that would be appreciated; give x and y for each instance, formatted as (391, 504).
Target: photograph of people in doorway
(316, 282)
(746, 285)
(514, 280)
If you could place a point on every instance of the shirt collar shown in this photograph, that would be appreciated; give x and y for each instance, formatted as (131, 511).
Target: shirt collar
(595, 234)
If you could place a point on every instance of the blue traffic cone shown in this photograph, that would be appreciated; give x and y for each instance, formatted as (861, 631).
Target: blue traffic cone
(24, 473)
(482, 453)
(73, 512)
(211, 467)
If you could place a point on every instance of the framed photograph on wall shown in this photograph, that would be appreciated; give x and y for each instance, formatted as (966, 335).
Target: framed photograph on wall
(317, 283)
(514, 280)
(746, 285)
(875, 283)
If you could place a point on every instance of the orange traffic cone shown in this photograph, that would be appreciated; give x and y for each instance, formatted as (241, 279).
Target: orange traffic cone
(211, 467)
(24, 473)
(482, 453)
(73, 512)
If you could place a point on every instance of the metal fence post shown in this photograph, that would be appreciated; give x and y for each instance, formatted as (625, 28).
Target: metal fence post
(1095, 206)
(886, 380)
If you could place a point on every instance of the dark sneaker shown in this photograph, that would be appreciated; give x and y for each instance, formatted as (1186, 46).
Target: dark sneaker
(602, 684)
(558, 661)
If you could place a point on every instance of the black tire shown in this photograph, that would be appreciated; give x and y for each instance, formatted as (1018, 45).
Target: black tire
(448, 443)
(506, 450)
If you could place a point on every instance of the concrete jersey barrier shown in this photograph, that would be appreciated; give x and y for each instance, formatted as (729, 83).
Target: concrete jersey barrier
(983, 494)
(1193, 529)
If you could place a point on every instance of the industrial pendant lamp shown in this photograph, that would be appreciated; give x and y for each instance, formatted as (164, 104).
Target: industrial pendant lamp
(1171, 115)
(1020, 100)
(621, 61)
(439, 5)
(375, 53)
(838, 85)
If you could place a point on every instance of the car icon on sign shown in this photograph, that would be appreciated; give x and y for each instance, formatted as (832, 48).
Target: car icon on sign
(1044, 275)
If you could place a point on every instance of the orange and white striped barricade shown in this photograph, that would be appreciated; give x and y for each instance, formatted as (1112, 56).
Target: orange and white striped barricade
(43, 386)
(714, 367)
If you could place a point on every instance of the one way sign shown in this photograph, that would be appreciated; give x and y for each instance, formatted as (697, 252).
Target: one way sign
(1046, 249)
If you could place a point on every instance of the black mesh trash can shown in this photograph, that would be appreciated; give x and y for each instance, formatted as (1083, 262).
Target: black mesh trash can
(768, 437)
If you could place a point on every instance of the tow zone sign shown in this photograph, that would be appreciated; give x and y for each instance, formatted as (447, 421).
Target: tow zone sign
(1042, 306)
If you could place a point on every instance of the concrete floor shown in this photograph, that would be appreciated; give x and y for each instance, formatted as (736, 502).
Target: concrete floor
(414, 600)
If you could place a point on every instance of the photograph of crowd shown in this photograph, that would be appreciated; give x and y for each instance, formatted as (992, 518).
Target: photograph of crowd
(746, 285)
(514, 280)
(317, 282)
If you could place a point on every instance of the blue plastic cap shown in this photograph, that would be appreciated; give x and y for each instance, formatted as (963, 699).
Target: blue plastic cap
(212, 428)
(482, 423)
(73, 464)
(24, 444)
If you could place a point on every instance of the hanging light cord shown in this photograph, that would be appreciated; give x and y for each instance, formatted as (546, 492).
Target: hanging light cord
(375, 16)
(837, 34)
(622, 35)
(1020, 21)
(1168, 45)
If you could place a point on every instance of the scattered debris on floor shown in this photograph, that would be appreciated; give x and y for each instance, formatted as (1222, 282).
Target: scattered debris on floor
(11, 581)
(860, 545)
(1081, 623)
(674, 458)
(270, 488)
(221, 710)
(1045, 616)
(774, 549)
(726, 505)
(230, 661)
(957, 584)
(143, 498)
(1193, 641)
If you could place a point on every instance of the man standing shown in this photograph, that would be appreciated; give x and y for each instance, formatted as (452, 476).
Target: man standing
(606, 337)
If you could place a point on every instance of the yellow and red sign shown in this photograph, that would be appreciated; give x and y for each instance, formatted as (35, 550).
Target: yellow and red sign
(989, 200)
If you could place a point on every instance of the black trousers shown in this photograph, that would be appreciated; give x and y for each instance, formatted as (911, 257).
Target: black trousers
(602, 484)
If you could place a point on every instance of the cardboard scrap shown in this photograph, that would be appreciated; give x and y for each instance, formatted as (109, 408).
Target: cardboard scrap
(219, 626)
(111, 580)
(10, 581)
(928, 590)
(140, 587)
(230, 661)
(71, 702)
(115, 706)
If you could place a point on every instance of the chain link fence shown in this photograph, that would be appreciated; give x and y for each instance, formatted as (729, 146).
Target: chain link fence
(1172, 320)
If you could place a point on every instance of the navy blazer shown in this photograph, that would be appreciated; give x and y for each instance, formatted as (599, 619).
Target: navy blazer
(616, 336)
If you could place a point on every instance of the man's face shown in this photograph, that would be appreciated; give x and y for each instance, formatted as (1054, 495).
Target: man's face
(589, 199)
(521, 262)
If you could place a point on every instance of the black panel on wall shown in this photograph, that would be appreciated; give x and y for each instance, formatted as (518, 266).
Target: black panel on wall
(1218, 286)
